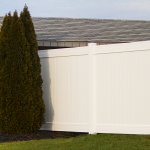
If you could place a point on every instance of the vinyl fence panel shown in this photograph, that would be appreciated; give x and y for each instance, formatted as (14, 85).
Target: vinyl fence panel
(122, 91)
(65, 86)
(97, 89)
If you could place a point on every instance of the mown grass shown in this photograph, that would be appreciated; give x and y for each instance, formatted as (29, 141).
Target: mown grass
(84, 142)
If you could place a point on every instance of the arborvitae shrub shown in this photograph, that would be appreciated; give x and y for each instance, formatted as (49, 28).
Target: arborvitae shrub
(21, 105)
(4, 47)
(34, 68)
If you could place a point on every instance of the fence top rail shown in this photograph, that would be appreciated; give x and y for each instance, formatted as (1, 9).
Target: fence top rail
(97, 49)
(122, 47)
(63, 52)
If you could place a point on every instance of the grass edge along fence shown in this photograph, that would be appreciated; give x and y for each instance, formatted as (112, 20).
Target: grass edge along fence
(94, 142)
(97, 88)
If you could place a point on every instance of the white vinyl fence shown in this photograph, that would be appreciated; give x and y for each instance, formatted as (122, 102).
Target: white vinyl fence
(97, 89)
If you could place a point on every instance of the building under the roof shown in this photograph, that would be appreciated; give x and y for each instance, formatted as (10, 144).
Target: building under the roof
(68, 32)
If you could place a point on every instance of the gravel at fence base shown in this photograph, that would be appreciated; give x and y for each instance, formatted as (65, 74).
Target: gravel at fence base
(38, 135)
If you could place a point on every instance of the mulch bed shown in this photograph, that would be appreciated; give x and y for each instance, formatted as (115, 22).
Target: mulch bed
(38, 135)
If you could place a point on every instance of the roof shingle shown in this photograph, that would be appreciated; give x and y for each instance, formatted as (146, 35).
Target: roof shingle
(90, 30)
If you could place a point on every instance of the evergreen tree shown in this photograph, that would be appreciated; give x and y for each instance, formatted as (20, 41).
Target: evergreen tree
(14, 43)
(21, 110)
(34, 68)
(4, 47)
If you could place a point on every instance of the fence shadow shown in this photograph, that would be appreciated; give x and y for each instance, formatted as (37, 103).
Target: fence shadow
(46, 87)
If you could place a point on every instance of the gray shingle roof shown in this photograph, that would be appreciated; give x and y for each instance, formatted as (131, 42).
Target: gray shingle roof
(90, 30)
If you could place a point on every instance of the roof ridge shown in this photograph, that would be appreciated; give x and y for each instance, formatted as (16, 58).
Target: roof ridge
(88, 19)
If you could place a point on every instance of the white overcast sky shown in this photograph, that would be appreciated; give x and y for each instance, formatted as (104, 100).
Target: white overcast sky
(98, 9)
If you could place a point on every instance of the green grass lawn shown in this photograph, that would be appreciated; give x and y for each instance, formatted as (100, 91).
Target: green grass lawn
(85, 142)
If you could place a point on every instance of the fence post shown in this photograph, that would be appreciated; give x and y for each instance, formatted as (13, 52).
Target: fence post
(91, 88)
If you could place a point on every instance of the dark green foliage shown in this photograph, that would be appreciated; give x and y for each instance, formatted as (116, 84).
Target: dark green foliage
(21, 105)
(4, 47)
(35, 78)
(4, 39)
